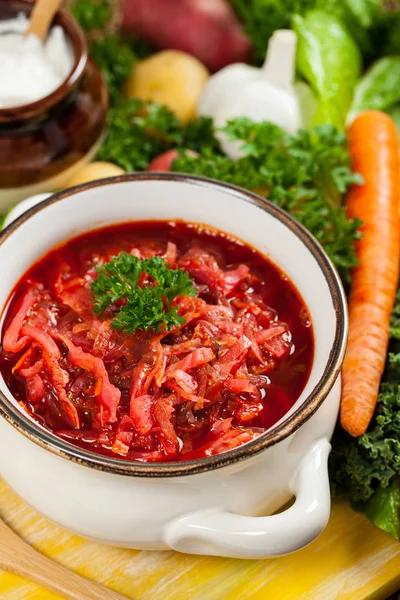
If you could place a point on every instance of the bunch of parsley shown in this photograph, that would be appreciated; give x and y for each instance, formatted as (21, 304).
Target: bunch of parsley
(306, 175)
(139, 307)
(138, 131)
(367, 469)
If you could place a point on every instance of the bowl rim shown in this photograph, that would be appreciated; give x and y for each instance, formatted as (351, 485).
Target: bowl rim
(76, 37)
(288, 426)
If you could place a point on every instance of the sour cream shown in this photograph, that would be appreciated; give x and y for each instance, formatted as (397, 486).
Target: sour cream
(30, 70)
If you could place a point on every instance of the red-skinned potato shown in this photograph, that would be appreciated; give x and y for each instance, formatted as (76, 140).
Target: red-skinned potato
(207, 29)
(164, 161)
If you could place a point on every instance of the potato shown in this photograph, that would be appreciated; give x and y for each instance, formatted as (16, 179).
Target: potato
(92, 171)
(170, 77)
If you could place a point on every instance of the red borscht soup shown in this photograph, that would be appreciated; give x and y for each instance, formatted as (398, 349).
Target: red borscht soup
(156, 341)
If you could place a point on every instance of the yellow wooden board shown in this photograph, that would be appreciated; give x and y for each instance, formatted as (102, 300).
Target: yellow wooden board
(351, 560)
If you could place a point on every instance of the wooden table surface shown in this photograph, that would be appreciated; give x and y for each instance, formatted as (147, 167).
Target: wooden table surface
(351, 560)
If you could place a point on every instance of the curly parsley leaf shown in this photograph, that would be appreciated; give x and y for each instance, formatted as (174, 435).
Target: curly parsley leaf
(145, 310)
(140, 130)
(115, 59)
(199, 135)
(140, 307)
(92, 15)
(173, 282)
(137, 132)
(115, 281)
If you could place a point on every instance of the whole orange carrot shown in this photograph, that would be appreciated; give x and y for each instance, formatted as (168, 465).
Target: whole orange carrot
(374, 148)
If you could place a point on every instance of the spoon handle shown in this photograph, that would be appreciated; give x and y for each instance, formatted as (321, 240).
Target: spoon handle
(41, 17)
(19, 557)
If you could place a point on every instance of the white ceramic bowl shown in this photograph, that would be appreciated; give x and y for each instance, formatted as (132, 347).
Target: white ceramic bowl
(210, 505)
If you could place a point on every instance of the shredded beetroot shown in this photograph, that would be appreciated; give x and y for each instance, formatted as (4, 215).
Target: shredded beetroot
(12, 339)
(107, 395)
(141, 413)
(230, 371)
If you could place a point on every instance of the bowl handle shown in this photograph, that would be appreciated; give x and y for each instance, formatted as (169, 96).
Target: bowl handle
(219, 533)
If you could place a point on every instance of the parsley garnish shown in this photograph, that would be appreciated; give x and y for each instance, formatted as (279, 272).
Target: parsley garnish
(146, 307)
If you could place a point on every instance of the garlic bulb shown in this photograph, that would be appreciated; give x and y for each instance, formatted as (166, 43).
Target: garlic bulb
(265, 94)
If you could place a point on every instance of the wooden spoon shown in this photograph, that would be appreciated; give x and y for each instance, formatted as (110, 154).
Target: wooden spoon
(41, 17)
(19, 557)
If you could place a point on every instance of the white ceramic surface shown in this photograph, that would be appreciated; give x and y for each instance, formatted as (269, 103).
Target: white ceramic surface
(21, 208)
(204, 510)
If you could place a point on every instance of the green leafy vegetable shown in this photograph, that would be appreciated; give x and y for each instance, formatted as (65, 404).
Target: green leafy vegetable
(305, 175)
(138, 131)
(367, 469)
(199, 134)
(379, 88)
(365, 11)
(115, 59)
(146, 307)
(358, 16)
(383, 508)
(360, 465)
(329, 59)
(116, 280)
(145, 310)
(92, 15)
(307, 102)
